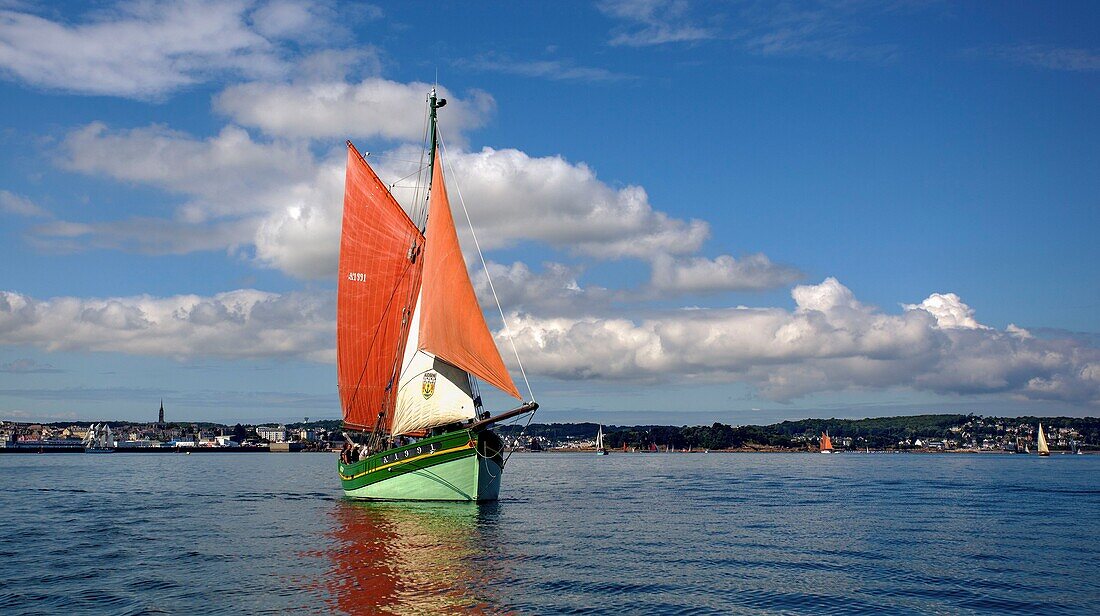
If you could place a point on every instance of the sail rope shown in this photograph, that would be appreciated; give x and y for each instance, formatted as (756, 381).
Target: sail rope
(416, 186)
(392, 157)
(418, 209)
(485, 268)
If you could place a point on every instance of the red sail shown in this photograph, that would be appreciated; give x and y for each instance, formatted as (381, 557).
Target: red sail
(452, 326)
(379, 279)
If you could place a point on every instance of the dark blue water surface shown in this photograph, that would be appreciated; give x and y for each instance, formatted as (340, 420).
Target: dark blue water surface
(653, 533)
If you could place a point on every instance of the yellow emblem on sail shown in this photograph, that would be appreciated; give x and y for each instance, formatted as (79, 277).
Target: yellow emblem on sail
(428, 386)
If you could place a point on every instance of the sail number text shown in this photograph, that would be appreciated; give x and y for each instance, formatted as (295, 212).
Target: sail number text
(357, 277)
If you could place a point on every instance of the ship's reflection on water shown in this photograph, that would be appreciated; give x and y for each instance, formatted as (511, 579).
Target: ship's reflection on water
(413, 558)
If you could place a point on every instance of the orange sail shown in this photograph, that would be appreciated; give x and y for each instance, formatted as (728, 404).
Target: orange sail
(452, 326)
(826, 442)
(380, 270)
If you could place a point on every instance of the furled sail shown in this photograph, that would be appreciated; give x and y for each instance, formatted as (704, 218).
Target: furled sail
(452, 327)
(379, 279)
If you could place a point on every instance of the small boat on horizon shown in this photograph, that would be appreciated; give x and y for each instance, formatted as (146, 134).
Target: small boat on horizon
(826, 443)
(1044, 450)
(600, 449)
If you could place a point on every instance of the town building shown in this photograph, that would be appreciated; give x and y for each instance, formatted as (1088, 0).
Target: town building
(272, 434)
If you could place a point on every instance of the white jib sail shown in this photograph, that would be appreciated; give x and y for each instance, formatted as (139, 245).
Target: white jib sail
(431, 392)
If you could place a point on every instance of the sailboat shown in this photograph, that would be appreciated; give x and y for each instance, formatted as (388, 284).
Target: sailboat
(99, 439)
(412, 344)
(826, 443)
(1043, 449)
(600, 449)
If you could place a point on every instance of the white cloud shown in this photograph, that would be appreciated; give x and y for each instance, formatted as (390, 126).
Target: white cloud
(724, 273)
(556, 70)
(514, 197)
(306, 21)
(227, 174)
(150, 236)
(373, 108)
(653, 22)
(237, 324)
(300, 235)
(1046, 56)
(830, 341)
(335, 65)
(951, 312)
(277, 197)
(555, 290)
(19, 205)
(138, 49)
(828, 297)
(826, 30)
(274, 196)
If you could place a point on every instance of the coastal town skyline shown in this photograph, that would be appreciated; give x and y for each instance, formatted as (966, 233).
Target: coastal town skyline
(692, 211)
(919, 433)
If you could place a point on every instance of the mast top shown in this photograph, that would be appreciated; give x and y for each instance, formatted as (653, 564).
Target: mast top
(434, 104)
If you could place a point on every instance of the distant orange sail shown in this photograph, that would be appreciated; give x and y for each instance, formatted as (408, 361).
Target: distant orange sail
(452, 326)
(826, 442)
(379, 279)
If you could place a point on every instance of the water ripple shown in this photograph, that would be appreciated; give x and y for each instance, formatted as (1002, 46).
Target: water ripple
(573, 534)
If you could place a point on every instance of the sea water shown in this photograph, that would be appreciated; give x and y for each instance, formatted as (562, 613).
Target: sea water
(573, 533)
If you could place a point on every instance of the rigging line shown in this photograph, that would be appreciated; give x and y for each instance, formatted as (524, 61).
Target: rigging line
(406, 322)
(410, 379)
(406, 177)
(401, 380)
(391, 157)
(475, 389)
(420, 209)
(507, 330)
(530, 417)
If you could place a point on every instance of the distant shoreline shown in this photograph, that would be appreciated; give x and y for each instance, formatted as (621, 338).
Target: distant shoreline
(807, 451)
(205, 450)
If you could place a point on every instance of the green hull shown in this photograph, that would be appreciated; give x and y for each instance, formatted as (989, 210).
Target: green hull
(456, 466)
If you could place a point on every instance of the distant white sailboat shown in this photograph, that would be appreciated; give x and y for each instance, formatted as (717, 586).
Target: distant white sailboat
(99, 439)
(600, 449)
(1044, 450)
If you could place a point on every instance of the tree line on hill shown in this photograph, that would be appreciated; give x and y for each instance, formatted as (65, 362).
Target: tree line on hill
(880, 432)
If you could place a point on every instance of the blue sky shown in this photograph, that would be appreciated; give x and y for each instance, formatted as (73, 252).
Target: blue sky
(695, 211)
